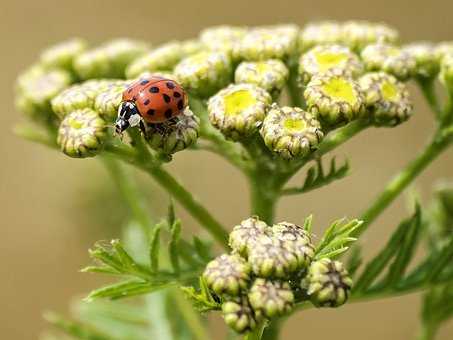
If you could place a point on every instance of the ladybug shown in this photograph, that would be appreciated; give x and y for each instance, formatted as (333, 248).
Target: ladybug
(152, 100)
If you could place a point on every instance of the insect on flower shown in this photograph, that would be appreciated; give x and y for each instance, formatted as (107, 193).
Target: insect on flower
(151, 100)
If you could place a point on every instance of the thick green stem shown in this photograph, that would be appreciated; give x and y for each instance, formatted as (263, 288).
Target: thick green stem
(427, 86)
(272, 331)
(427, 332)
(263, 199)
(401, 181)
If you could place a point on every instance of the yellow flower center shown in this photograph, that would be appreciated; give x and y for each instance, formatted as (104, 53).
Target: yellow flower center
(389, 91)
(328, 60)
(238, 101)
(75, 124)
(340, 89)
(294, 125)
(262, 67)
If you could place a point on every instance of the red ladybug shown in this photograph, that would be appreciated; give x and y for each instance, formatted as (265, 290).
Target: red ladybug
(153, 100)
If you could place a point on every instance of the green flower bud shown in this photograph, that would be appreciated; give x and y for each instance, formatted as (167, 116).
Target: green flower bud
(81, 96)
(358, 34)
(227, 275)
(270, 258)
(163, 58)
(238, 110)
(290, 132)
(271, 298)
(442, 49)
(271, 75)
(35, 89)
(204, 73)
(296, 239)
(108, 60)
(386, 98)
(446, 71)
(336, 99)
(239, 315)
(329, 58)
(175, 135)
(320, 33)
(390, 59)
(222, 38)
(327, 283)
(426, 61)
(191, 46)
(268, 42)
(63, 54)
(82, 133)
(245, 235)
(107, 102)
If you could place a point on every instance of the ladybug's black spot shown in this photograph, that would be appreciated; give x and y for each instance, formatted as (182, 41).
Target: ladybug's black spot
(154, 89)
(176, 94)
(129, 90)
(144, 82)
(134, 98)
(168, 113)
(166, 98)
(151, 112)
(180, 105)
(146, 102)
(170, 85)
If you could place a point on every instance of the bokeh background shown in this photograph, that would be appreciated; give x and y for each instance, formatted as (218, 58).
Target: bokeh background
(49, 203)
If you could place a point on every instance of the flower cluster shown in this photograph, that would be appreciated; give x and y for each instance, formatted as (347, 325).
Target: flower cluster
(267, 268)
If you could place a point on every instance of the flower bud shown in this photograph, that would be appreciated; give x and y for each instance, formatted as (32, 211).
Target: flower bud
(245, 235)
(108, 100)
(446, 71)
(239, 315)
(227, 275)
(268, 42)
(163, 58)
(296, 239)
(271, 298)
(63, 54)
(80, 96)
(35, 89)
(270, 258)
(335, 99)
(291, 132)
(320, 33)
(329, 58)
(191, 46)
(390, 59)
(175, 135)
(442, 49)
(327, 283)
(270, 75)
(108, 60)
(386, 98)
(358, 34)
(426, 61)
(222, 38)
(238, 110)
(82, 133)
(204, 73)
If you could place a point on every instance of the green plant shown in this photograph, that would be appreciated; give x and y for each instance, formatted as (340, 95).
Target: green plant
(341, 79)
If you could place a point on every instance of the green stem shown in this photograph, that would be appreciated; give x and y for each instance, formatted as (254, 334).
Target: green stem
(427, 332)
(256, 334)
(294, 90)
(272, 331)
(263, 199)
(191, 316)
(401, 181)
(427, 86)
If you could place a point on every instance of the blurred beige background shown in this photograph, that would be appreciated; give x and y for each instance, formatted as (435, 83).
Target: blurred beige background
(44, 196)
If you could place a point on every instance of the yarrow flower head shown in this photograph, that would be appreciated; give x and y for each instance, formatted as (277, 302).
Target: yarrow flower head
(238, 110)
(443, 49)
(390, 59)
(204, 73)
(227, 274)
(63, 54)
(82, 133)
(271, 298)
(446, 72)
(106, 103)
(222, 38)
(268, 42)
(327, 283)
(358, 34)
(427, 65)
(162, 58)
(270, 75)
(335, 99)
(386, 97)
(239, 315)
(245, 235)
(329, 58)
(108, 60)
(320, 33)
(175, 135)
(291, 132)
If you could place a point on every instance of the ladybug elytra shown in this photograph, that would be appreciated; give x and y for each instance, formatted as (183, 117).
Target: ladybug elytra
(152, 100)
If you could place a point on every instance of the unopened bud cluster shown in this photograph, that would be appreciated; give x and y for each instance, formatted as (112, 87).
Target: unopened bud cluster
(258, 279)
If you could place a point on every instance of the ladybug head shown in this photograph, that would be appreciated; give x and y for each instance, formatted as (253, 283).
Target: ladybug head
(128, 115)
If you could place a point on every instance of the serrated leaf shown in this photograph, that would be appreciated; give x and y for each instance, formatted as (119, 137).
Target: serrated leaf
(74, 328)
(308, 224)
(202, 249)
(154, 247)
(175, 233)
(100, 270)
(171, 215)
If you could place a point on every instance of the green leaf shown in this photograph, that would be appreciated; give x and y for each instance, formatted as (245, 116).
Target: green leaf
(171, 215)
(175, 233)
(154, 247)
(354, 260)
(202, 300)
(202, 249)
(308, 224)
(74, 328)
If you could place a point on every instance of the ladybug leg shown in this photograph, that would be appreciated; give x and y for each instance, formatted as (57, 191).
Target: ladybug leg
(143, 129)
